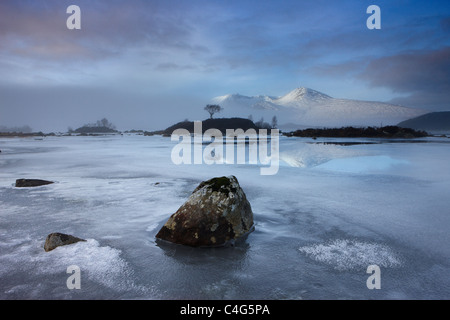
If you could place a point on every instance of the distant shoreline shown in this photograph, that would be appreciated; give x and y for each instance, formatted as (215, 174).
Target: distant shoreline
(389, 132)
(24, 135)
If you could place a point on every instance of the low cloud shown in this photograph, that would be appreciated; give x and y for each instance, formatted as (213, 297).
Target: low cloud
(423, 76)
(107, 27)
(170, 66)
(445, 24)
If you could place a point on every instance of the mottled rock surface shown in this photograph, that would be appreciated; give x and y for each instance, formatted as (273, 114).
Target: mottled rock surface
(56, 239)
(23, 183)
(216, 213)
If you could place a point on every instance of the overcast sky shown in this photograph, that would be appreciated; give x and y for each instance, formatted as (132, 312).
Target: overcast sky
(145, 64)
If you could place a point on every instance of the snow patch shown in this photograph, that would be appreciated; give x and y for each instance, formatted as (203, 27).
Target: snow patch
(345, 254)
(100, 264)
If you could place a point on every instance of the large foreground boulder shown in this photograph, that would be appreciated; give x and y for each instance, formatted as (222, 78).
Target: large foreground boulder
(24, 183)
(56, 239)
(217, 213)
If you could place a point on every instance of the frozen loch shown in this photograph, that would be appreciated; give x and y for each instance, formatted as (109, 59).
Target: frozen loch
(332, 210)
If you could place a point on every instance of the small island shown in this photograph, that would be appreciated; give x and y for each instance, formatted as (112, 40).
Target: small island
(102, 126)
(221, 124)
(353, 132)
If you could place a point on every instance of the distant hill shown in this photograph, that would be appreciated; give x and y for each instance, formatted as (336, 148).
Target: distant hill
(434, 121)
(221, 124)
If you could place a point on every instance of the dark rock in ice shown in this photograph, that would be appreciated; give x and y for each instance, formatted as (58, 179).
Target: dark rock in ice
(23, 183)
(217, 213)
(55, 240)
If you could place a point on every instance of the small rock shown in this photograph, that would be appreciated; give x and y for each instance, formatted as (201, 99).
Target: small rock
(216, 213)
(23, 183)
(55, 240)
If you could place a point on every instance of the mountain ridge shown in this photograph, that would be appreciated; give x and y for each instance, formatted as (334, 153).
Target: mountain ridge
(433, 121)
(309, 107)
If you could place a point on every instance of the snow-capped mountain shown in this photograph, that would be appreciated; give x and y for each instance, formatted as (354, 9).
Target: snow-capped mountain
(306, 107)
(303, 97)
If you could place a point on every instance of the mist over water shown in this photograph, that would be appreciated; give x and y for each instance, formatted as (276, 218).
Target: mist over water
(330, 212)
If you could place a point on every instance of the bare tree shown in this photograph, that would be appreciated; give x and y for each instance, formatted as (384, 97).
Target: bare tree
(105, 123)
(213, 108)
(262, 125)
(274, 122)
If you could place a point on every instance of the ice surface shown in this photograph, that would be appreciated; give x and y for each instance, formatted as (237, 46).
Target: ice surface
(330, 211)
(305, 155)
(362, 164)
